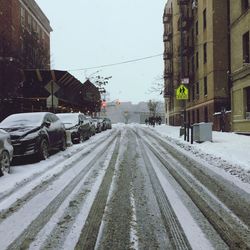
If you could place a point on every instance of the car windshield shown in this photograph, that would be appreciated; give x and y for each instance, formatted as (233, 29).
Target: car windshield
(68, 118)
(22, 120)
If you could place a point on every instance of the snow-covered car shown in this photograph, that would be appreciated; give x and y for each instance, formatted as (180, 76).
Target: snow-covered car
(6, 152)
(35, 133)
(103, 123)
(108, 123)
(98, 125)
(77, 124)
(92, 125)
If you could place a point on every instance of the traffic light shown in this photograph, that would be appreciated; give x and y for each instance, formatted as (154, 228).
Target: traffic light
(104, 104)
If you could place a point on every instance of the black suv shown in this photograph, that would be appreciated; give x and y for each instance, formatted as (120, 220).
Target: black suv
(78, 126)
(35, 133)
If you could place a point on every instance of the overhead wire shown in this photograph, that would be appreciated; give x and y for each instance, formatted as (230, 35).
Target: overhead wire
(111, 64)
(118, 63)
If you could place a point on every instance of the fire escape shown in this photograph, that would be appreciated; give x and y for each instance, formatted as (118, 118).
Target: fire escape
(168, 53)
(186, 48)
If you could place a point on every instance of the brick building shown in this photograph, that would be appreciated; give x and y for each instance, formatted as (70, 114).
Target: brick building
(240, 65)
(197, 48)
(24, 44)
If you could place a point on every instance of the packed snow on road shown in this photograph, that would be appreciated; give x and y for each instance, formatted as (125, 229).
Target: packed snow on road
(131, 187)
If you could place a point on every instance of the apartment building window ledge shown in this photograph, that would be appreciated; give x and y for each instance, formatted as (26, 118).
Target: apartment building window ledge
(241, 72)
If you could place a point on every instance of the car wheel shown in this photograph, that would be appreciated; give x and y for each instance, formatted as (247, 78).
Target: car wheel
(4, 163)
(44, 150)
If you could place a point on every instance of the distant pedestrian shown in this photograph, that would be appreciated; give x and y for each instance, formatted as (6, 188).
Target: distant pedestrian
(159, 120)
(146, 121)
(152, 121)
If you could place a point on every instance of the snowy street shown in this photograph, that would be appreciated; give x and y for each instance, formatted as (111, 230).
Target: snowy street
(132, 187)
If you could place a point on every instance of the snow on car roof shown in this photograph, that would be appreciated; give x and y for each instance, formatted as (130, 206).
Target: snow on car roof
(32, 119)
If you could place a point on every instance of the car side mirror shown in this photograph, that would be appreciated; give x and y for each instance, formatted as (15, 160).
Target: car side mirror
(47, 124)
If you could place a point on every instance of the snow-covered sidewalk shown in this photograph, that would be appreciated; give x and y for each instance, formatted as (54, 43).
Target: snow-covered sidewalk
(228, 151)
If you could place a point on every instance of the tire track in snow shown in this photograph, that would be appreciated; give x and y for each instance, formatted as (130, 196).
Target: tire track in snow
(89, 233)
(66, 220)
(13, 201)
(233, 231)
(177, 235)
(31, 222)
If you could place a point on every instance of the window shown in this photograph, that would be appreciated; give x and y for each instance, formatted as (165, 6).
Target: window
(197, 60)
(34, 25)
(22, 45)
(205, 52)
(244, 5)
(204, 19)
(192, 64)
(196, 28)
(192, 37)
(39, 31)
(29, 22)
(245, 41)
(197, 89)
(22, 16)
(247, 91)
(193, 92)
(205, 86)
(43, 35)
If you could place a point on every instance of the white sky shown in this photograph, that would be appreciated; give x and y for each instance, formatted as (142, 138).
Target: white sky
(96, 32)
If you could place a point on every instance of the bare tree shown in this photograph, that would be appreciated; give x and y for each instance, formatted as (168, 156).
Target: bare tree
(153, 107)
(157, 85)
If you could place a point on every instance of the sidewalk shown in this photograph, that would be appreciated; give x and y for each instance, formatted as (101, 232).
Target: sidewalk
(230, 147)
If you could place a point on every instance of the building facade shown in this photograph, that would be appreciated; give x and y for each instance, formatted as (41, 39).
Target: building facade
(196, 34)
(24, 44)
(240, 65)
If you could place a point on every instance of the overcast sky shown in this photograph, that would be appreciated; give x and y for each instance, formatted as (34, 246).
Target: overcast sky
(91, 33)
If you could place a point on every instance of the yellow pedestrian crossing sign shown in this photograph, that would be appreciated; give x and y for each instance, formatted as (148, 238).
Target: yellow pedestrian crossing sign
(182, 92)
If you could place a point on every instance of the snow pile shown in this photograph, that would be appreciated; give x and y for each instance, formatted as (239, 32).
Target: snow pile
(229, 151)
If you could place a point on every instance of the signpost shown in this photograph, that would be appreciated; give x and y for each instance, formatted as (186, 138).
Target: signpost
(52, 100)
(182, 93)
(185, 80)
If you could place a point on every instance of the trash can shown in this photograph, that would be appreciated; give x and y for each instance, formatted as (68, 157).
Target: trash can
(202, 131)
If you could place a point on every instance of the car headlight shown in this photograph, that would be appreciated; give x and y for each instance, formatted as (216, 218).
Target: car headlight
(72, 129)
(29, 137)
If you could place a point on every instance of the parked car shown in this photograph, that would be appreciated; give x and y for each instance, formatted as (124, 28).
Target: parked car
(103, 123)
(6, 152)
(78, 125)
(92, 125)
(35, 133)
(107, 122)
(98, 124)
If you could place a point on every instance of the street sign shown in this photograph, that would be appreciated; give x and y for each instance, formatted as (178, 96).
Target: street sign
(52, 87)
(182, 93)
(52, 102)
(185, 81)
